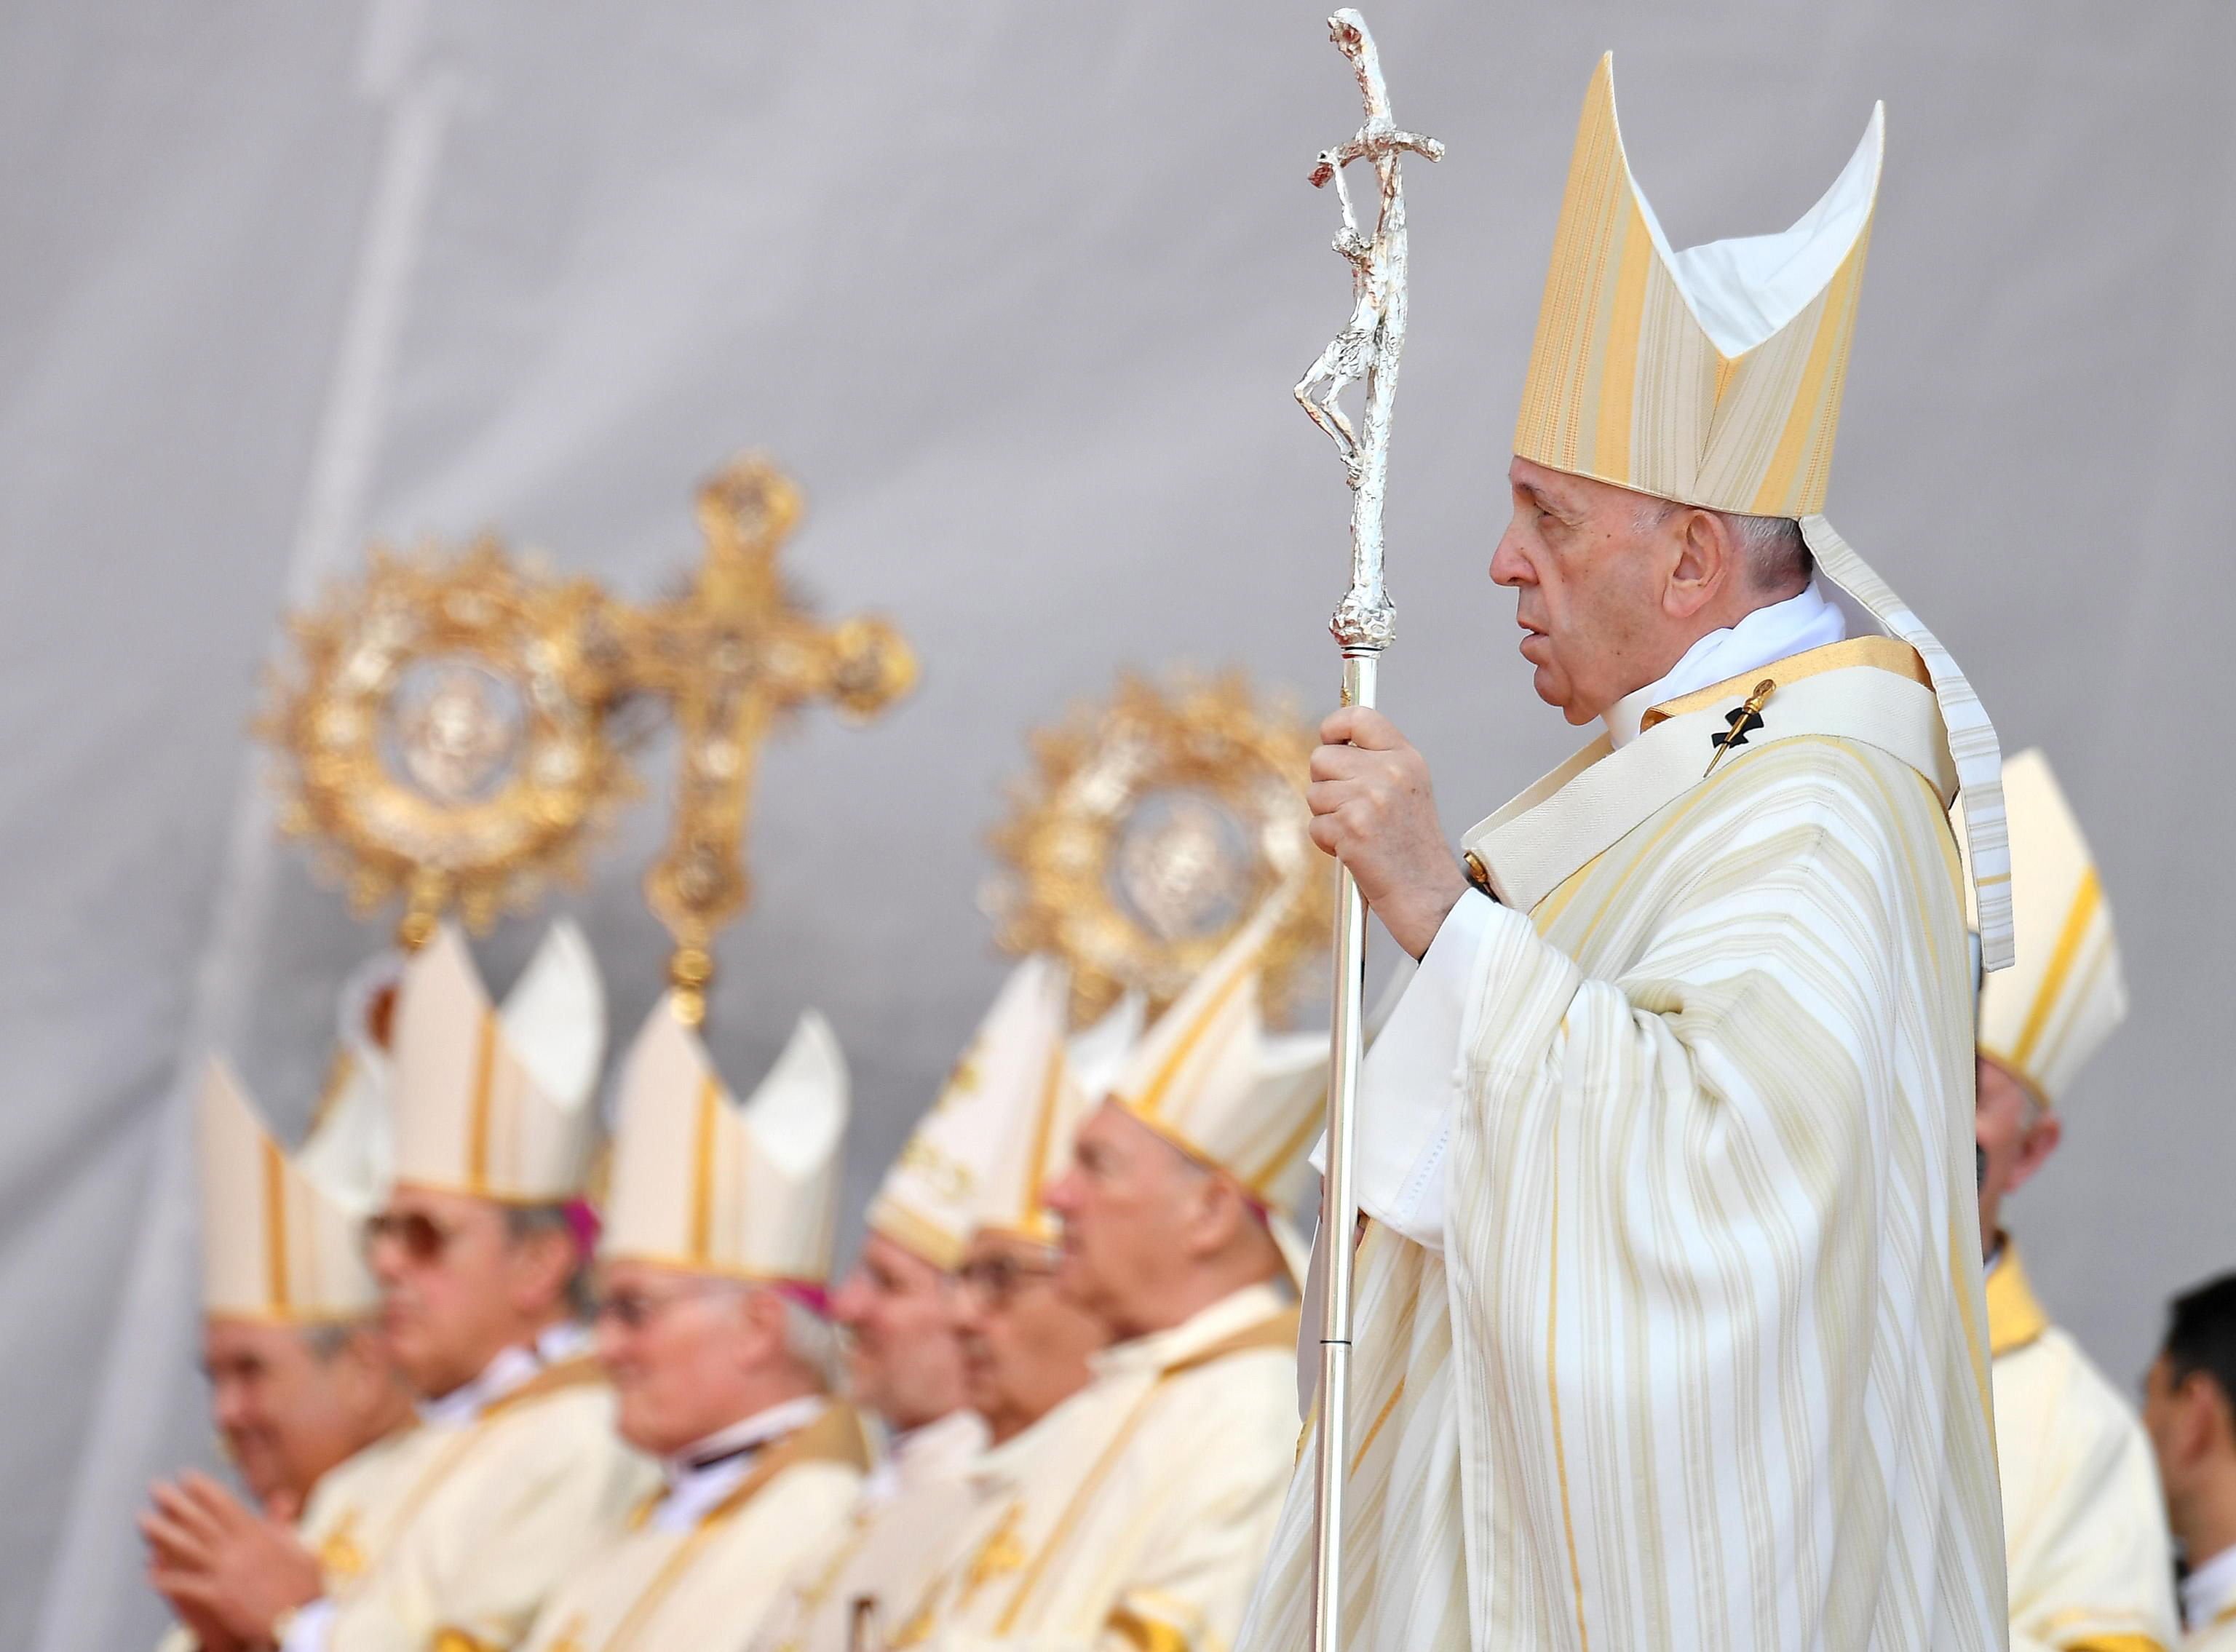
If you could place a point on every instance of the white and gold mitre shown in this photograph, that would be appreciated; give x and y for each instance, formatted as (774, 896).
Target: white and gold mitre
(704, 1183)
(497, 1102)
(283, 1238)
(1710, 376)
(1001, 1130)
(1713, 377)
(1209, 1078)
(2044, 1016)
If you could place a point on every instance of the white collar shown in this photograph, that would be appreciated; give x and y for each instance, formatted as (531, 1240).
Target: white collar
(1776, 632)
(1234, 1311)
(945, 1447)
(510, 1369)
(692, 1489)
(2210, 1590)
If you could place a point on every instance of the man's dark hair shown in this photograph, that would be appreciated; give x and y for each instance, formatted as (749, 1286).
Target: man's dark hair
(2201, 1334)
(523, 1221)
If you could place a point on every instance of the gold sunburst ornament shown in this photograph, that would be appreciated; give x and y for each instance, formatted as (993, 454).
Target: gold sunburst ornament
(445, 731)
(1152, 827)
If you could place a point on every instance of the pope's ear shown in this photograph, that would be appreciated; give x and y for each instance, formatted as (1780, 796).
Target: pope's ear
(1706, 560)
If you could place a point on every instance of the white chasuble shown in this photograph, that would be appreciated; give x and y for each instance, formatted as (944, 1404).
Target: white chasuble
(487, 1517)
(1696, 1355)
(2085, 1537)
(706, 1583)
(901, 1529)
(1136, 1513)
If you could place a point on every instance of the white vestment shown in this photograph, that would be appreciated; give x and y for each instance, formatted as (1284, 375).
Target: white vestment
(504, 1488)
(700, 1567)
(903, 1528)
(2085, 1540)
(1691, 1352)
(2208, 1604)
(1136, 1513)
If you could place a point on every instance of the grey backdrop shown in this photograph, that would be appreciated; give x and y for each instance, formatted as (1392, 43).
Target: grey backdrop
(1017, 291)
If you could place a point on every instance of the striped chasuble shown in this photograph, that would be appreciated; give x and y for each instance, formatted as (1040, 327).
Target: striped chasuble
(1702, 1362)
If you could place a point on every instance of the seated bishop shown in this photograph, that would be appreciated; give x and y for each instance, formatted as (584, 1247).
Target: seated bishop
(712, 1323)
(306, 1402)
(2085, 1539)
(514, 1474)
(972, 1173)
(1136, 1512)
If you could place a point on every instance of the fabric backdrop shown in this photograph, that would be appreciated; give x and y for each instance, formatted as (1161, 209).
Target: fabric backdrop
(1017, 291)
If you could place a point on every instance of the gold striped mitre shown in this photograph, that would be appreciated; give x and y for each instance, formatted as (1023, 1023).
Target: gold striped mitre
(2042, 1019)
(497, 1102)
(705, 1183)
(1210, 1079)
(1001, 1128)
(282, 1236)
(1710, 376)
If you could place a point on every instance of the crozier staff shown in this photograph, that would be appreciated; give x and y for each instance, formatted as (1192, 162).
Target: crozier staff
(1669, 1327)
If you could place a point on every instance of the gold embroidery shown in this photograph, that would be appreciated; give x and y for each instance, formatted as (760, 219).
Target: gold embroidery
(1004, 1552)
(341, 1560)
(1145, 1634)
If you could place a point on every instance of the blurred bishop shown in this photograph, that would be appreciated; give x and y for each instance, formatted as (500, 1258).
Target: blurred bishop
(515, 1474)
(1136, 1512)
(2085, 1537)
(713, 1328)
(305, 1397)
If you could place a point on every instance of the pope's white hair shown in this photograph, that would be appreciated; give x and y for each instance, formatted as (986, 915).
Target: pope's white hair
(1773, 549)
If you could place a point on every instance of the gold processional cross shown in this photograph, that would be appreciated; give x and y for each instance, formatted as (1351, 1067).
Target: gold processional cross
(455, 732)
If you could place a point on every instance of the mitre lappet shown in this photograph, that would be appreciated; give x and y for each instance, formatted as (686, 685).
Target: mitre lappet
(2045, 1017)
(1212, 1080)
(1001, 1129)
(497, 1103)
(708, 1184)
(1713, 377)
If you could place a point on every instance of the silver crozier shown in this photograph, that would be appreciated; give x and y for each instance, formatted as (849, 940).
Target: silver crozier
(1364, 625)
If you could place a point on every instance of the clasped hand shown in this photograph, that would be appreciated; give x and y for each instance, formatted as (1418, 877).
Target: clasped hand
(1373, 809)
(227, 1571)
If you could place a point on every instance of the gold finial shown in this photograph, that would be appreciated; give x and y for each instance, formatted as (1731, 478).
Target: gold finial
(1749, 715)
(689, 972)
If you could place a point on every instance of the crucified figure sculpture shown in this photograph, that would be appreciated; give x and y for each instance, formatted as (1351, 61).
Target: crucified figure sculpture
(1370, 345)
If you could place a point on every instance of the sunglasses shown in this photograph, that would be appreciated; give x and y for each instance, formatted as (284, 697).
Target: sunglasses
(419, 1236)
(995, 1280)
(634, 1310)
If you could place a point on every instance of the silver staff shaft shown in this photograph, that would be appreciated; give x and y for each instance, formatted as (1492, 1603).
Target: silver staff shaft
(1339, 1216)
(1364, 623)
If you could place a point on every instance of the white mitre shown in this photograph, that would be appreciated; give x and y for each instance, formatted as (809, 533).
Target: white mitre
(283, 1239)
(1713, 377)
(1210, 1079)
(703, 1183)
(2042, 1019)
(498, 1103)
(1001, 1130)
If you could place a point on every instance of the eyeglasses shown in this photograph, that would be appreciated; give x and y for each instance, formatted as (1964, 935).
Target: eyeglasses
(418, 1235)
(995, 1280)
(634, 1310)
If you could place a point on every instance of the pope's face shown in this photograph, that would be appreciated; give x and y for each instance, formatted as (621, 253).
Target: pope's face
(285, 1412)
(903, 1359)
(451, 1283)
(679, 1349)
(1588, 561)
(1025, 1344)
